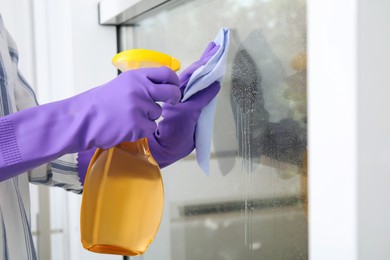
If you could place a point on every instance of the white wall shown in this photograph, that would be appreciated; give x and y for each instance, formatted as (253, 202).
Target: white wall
(349, 143)
(332, 112)
(373, 66)
(72, 46)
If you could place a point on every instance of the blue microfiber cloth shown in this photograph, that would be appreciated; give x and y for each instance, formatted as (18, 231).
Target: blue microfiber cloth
(212, 71)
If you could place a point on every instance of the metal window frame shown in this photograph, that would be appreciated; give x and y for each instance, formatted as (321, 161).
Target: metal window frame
(122, 11)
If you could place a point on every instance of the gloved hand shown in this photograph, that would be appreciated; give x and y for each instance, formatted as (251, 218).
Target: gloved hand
(123, 109)
(175, 135)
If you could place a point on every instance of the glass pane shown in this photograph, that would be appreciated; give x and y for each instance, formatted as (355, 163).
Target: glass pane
(253, 204)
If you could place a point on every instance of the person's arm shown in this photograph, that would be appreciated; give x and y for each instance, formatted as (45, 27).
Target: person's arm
(121, 110)
(67, 171)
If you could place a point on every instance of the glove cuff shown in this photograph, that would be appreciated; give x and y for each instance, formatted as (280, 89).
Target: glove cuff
(9, 150)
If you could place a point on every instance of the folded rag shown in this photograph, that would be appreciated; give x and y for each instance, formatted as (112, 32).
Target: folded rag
(212, 71)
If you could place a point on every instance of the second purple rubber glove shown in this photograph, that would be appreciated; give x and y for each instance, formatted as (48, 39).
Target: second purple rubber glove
(175, 135)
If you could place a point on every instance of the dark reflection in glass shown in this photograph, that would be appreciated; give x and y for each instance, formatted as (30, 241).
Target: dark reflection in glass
(283, 140)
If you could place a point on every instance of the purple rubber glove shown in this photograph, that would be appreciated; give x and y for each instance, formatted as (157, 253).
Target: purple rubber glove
(123, 109)
(175, 137)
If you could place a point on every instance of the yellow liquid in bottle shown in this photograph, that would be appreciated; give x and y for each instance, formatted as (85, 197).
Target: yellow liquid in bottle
(123, 195)
(122, 213)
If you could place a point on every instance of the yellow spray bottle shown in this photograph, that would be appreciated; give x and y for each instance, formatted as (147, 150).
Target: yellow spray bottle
(123, 193)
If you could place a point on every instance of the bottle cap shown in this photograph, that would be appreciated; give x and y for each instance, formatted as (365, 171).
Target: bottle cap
(142, 58)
